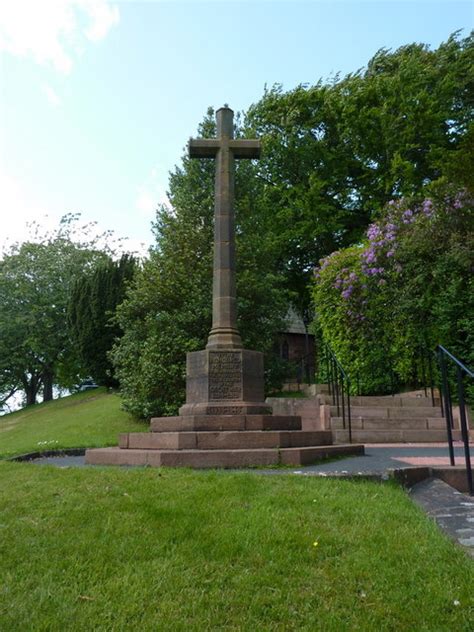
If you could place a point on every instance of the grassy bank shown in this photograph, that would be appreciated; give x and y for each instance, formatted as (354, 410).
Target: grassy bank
(114, 549)
(90, 419)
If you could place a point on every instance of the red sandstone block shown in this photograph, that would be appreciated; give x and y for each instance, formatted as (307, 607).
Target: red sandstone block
(272, 422)
(115, 456)
(311, 438)
(123, 440)
(239, 440)
(305, 456)
(162, 440)
(218, 458)
(198, 423)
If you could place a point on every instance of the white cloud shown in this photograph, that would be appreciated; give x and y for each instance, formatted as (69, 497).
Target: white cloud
(103, 18)
(51, 95)
(52, 31)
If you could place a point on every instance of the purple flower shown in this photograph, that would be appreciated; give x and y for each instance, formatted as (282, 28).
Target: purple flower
(353, 276)
(373, 231)
(390, 253)
(347, 292)
(382, 282)
(369, 256)
(427, 207)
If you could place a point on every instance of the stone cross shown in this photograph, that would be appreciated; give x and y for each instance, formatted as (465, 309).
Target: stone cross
(224, 148)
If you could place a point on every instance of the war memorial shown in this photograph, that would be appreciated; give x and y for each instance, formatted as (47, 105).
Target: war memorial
(225, 421)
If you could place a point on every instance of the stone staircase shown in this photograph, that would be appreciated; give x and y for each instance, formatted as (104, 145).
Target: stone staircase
(396, 419)
(409, 418)
(224, 441)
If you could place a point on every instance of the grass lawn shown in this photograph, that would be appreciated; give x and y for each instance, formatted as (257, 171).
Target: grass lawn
(150, 549)
(90, 419)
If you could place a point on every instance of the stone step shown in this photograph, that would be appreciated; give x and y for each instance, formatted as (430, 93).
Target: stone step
(389, 401)
(395, 436)
(388, 423)
(218, 458)
(193, 423)
(389, 412)
(228, 440)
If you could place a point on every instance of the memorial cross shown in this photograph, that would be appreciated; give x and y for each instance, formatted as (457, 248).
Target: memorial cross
(224, 148)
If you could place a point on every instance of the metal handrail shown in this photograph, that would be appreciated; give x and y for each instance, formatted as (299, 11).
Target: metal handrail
(458, 362)
(444, 354)
(339, 385)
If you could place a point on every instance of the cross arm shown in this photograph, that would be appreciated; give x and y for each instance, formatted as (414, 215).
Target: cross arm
(245, 148)
(203, 147)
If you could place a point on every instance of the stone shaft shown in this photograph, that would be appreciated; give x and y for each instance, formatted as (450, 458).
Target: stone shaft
(224, 333)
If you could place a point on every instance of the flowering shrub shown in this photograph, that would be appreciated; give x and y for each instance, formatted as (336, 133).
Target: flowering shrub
(408, 285)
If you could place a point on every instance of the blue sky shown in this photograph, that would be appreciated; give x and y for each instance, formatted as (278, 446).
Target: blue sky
(98, 98)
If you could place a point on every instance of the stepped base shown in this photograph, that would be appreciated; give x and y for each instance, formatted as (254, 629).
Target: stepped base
(228, 441)
(201, 459)
(199, 423)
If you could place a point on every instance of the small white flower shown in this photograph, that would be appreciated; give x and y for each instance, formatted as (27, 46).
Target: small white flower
(456, 602)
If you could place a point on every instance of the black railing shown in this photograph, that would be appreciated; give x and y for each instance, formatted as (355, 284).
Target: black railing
(446, 359)
(339, 386)
(300, 370)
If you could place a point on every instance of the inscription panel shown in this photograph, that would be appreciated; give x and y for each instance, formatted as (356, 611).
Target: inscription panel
(225, 375)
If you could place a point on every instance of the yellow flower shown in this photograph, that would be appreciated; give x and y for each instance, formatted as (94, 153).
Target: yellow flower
(315, 543)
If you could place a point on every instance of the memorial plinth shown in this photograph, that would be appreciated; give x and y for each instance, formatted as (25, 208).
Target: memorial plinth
(225, 421)
(224, 382)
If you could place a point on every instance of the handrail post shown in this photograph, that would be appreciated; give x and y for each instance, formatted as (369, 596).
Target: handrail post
(336, 382)
(343, 404)
(447, 406)
(430, 373)
(464, 430)
(423, 373)
(349, 409)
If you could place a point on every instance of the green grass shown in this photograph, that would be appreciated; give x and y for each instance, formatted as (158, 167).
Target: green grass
(90, 419)
(151, 549)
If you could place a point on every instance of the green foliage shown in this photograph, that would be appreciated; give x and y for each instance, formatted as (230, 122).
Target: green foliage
(168, 309)
(336, 152)
(35, 282)
(92, 303)
(408, 287)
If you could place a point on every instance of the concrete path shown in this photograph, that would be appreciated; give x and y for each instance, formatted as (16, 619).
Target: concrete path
(376, 461)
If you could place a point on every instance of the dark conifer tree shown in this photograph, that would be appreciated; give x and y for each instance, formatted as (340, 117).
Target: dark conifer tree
(94, 299)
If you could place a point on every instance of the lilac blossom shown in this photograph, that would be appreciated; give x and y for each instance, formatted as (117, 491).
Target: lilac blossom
(427, 207)
(347, 292)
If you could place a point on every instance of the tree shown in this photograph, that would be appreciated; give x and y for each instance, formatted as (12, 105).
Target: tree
(91, 309)
(336, 152)
(35, 281)
(407, 287)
